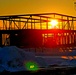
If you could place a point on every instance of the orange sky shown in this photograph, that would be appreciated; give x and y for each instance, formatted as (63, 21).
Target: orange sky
(8, 7)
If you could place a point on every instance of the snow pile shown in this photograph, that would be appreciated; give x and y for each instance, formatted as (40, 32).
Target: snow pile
(12, 59)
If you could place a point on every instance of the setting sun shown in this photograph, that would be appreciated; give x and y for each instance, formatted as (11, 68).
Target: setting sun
(54, 23)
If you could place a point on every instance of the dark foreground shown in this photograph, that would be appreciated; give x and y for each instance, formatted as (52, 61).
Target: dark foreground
(54, 71)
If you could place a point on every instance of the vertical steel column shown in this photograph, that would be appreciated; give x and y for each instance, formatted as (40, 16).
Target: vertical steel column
(34, 24)
(72, 24)
(62, 38)
(4, 25)
(10, 26)
(62, 22)
(67, 38)
(27, 24)
(68, 26)
(40, 23)
(71, 38)
(47, 24)
(14, 25)
(59, 39)
(31, 21)
(19, 23)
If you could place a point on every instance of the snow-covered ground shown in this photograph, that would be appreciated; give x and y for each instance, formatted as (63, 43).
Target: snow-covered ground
(13, 59)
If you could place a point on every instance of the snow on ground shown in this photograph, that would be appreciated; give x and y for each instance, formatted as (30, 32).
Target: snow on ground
(13, 59)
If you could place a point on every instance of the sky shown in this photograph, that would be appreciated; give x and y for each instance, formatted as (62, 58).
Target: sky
(13, 7)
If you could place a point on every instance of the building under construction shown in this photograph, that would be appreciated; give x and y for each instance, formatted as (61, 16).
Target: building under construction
(35, 30)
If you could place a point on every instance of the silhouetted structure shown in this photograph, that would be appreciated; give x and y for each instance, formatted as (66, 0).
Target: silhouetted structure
(34, 30)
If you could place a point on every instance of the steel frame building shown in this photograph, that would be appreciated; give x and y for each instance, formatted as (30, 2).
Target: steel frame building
(34, 30)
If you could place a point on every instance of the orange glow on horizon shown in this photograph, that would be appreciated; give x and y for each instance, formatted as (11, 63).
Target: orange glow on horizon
(64, 57)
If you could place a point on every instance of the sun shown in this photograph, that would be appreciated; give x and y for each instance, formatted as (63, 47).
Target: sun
(54, 23)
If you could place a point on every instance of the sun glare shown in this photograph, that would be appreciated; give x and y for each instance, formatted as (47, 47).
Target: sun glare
(54, 23)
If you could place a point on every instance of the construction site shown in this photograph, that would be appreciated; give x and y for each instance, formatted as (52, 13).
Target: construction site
(36, 30)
